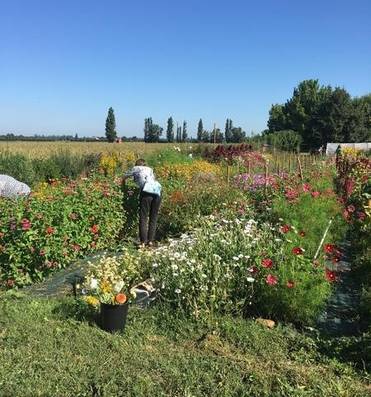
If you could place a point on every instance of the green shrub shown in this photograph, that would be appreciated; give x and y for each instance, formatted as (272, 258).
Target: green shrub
(48, 230)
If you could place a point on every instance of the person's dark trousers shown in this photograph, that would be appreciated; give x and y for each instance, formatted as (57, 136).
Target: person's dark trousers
(149, 205)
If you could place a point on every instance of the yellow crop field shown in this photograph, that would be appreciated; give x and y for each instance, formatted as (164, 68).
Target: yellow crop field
(45, 149)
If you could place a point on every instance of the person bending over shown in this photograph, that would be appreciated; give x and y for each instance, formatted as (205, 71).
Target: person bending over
(149, 200)
(11, 188)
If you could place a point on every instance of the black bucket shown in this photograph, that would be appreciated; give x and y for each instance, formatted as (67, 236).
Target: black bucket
(113, 317)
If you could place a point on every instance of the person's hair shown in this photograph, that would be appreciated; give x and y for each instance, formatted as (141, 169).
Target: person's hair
(140, 162)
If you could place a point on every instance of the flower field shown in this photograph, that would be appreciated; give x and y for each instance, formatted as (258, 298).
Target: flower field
(239, 238)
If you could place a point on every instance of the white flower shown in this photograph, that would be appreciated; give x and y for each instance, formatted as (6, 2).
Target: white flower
(93, 283)
(155, 265)
(118, 286)
(250, 279)
(178, 291)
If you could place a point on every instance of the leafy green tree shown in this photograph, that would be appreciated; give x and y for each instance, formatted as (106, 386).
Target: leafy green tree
(179, 134)
(170, 130)
(184, 132)
(237, 135)
(111, 133)
(205, 136)
(285, 140)
(200, 130)
(152, 132)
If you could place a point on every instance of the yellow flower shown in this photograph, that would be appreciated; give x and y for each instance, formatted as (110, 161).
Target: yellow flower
(105, 286)
(92, 300)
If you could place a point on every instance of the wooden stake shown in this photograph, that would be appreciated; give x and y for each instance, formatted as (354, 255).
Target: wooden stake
(300, 169)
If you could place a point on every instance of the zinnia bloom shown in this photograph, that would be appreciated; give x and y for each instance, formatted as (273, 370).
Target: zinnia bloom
(351, 208)
(26, 224)
(94, 229)
(285, 228)
(315, 194)
(306, 187)
(302, 233)
(329, 248)
(361, 215)
(290, 284)
(120, 299)
(267, 263)
(297, 251)
(50, 230)
(271, 280)
(330, 275)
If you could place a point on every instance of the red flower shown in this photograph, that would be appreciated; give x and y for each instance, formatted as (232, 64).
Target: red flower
(267, 263)
(271, 280)
(50, 230)
(297, 251)
(26, 224)
(285, 228)
(315, 194)
(330, 275)
(290, 284)
(346, 214)
(94, 229)
(302, 233)
(361, 215)
(351, 208)
(329, 248)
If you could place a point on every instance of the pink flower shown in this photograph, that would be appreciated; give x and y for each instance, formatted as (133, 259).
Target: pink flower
(291, 194)
(26, 224)
(329, 248)
(351, 208)
(267, 263)
(306, 187)
(94, 229)
(315, 194)
(361, 215)
(271, 280)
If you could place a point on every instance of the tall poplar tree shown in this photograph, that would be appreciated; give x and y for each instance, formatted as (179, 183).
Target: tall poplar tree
(111, 133)
(184, 132)
(200, 130)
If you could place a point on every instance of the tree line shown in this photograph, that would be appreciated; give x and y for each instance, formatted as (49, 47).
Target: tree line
(316, 115)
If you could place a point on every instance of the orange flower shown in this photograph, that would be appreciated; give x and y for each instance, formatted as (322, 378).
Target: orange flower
(120, 299)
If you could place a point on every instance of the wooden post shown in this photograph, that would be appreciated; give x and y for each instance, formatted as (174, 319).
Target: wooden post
(300, 168)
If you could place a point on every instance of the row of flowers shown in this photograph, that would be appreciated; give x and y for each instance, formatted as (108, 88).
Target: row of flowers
(62, 221)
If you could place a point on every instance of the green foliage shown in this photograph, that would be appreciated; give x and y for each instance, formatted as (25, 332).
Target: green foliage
(170, 130)
(184, 132)
(152, 132)
(58, 165)
(57, 224)
(51, 347)
(111, 133)
(321, 114)
(285, 140)
(200, 130)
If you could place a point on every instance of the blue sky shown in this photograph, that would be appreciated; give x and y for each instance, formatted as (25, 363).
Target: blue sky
(63, 63)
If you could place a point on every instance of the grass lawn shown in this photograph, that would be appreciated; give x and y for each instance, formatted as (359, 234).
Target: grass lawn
(48, 348)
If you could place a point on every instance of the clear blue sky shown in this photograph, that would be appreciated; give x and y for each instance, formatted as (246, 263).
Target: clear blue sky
(64, 62)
